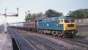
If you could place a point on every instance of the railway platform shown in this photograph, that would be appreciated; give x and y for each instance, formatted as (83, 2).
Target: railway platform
(5, 42)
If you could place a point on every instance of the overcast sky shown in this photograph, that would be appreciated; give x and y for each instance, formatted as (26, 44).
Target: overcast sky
(36, 6)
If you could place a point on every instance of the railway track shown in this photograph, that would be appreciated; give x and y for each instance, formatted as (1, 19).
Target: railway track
(80, 43)
(76, 43)
(64, 48)
(34, 43)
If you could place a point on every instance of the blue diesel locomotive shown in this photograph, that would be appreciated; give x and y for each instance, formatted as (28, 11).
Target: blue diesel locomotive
(58, 26)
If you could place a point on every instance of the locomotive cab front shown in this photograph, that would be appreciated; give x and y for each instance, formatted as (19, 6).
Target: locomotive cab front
(70, 26)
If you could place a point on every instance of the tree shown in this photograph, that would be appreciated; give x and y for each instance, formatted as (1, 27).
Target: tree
(80, 13)
(52, 13)
(36, 16)
(33, 16)
(28, 17)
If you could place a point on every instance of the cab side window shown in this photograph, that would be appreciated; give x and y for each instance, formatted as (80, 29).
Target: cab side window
(61, 21)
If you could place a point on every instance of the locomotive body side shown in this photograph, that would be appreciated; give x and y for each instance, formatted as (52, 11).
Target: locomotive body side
(50, 24)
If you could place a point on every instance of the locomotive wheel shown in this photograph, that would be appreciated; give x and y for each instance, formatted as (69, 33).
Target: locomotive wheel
(54, 33)
(58, 34)
(61, 35)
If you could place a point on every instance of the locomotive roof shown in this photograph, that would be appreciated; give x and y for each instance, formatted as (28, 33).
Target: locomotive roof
(62, 17)
(56, 18)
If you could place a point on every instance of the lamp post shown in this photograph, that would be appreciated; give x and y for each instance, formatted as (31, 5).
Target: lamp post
(5, 24)
(5, 15)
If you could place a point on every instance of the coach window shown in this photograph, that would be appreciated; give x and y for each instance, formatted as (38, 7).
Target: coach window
(61, 21)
